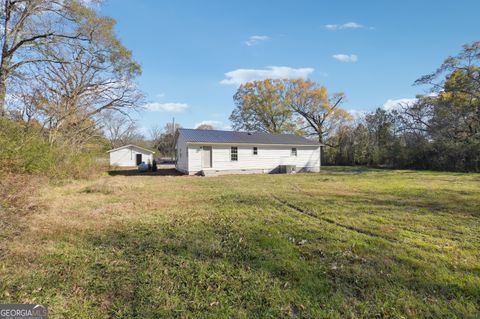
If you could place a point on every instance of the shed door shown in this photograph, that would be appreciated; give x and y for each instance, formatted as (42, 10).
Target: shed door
(207, 157)
(139, 159)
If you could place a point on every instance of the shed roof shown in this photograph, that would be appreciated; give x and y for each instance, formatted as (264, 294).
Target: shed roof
(231, 137)
(131, 145)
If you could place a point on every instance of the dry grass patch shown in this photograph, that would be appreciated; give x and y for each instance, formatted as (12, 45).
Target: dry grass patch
(17, 203)
(108, 185)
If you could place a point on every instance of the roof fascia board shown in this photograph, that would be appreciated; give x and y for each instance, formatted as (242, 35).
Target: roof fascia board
(251, 144)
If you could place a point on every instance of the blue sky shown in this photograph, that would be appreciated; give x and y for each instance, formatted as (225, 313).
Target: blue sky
(194, 53)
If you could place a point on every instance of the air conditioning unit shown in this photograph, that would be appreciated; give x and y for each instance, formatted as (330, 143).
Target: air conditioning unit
(287, 169)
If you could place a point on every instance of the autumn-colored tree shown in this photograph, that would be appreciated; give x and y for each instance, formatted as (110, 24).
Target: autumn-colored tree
(263, 106)
(439, 130)
(450, 116)
(68, 96)
(453, 111)
(73, 69)
(321, 112)
(30, 25)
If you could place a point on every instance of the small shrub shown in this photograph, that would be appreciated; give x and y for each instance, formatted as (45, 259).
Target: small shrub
(72, 163)
(154, 166)
(24, 150)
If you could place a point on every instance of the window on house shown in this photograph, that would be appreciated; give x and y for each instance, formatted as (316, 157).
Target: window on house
(234, 153)
(294, 151)
(255, 151)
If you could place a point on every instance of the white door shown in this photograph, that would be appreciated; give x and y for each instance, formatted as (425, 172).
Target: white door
(207, 157)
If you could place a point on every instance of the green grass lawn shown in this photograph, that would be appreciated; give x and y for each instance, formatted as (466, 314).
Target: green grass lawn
(345, 243)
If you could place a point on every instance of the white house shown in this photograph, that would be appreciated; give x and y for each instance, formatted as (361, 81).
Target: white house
(130, 155)
(212, 152)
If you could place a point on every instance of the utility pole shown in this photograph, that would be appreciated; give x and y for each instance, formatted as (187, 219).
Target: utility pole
(173, 138)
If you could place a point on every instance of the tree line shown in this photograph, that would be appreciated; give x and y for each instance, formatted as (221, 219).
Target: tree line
(69, 84)
(440, 130)
(68, 88)
(64, 78)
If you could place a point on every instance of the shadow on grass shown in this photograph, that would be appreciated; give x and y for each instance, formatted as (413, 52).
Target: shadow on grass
(352, 169)
(205, 270)
(450, 202)
(135, 172)
(237, 262)
(368, 169)
(229, 266)
(148, 271)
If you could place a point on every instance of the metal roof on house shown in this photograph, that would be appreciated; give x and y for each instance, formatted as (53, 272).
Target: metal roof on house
(231, 137)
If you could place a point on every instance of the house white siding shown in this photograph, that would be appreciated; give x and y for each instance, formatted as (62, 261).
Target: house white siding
(194, 160)
(268, 158)
(127, 156)
(182, 155)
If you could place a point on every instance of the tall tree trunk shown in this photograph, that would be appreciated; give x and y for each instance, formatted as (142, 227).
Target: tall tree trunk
(322, 149)
(3, 91)
(4, 60)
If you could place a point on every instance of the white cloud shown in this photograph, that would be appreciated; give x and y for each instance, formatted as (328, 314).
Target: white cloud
(345, 57)
(348, 25)
(215, 124)
(393, 104)
(166, 107)
(240, 76)
(357, 114)
(255, 39)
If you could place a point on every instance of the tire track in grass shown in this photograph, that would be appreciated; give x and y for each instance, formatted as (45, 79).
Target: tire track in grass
(412, 233)
(331, 221)
(426, 237)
